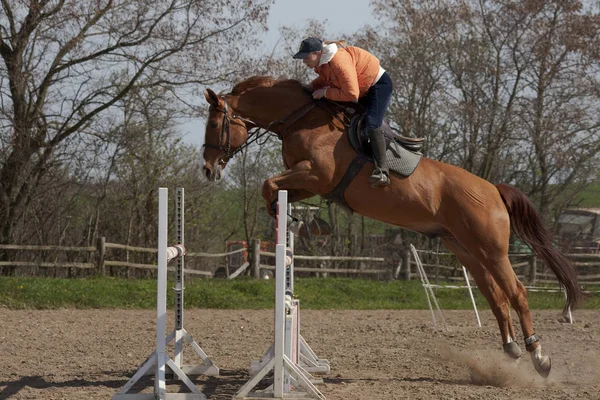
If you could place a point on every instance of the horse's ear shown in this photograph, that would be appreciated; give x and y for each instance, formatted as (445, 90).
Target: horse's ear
(211, 97)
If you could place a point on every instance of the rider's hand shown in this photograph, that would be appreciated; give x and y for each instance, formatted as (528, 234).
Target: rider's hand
(319, 93)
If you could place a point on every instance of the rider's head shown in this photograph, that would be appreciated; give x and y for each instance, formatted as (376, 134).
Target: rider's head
(310, 51)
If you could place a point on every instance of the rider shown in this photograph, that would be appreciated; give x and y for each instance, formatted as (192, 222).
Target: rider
(347, 73)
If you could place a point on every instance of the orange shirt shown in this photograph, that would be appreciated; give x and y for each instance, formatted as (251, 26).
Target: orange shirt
(349, 74)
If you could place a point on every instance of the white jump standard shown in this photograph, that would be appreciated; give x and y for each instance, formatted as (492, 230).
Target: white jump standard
(290, 379)
(159, 359)
(306, 357)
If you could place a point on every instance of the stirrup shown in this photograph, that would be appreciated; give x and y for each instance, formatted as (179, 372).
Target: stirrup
(379, 178)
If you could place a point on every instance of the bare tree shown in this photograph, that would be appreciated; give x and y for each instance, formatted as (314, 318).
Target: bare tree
(507, 90)
(67, 62)
(411, 49)
(560, 107)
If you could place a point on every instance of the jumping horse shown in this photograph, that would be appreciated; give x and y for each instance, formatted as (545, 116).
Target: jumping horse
(471, 216)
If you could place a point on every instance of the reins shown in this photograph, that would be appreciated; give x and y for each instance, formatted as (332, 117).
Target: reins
(345, 121)
(288, 121)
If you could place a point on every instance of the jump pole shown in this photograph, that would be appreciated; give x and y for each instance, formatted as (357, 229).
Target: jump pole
(471, 294)
(427, 287)
(305, 357)
(179, 333)
(290, 380)
(159, 358)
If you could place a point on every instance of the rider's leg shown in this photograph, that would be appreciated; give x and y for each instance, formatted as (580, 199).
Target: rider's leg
(377, 101)
(381, 173)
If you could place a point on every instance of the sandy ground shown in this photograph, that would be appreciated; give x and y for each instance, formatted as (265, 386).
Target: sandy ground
(90, 354)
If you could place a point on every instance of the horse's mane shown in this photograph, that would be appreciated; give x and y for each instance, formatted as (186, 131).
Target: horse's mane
(263, 81)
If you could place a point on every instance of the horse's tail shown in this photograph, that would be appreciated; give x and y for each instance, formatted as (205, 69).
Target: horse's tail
(527, 224)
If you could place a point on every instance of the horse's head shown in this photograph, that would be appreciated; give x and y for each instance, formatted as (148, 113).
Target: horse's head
(225, 133)
(274, 105)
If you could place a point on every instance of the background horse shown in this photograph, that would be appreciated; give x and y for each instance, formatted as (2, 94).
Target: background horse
(472, 217)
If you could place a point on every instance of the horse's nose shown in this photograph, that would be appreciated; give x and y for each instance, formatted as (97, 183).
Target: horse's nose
(208, 173)
(212, 175)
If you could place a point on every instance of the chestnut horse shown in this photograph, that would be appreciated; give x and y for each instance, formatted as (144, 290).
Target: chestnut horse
(472, 217)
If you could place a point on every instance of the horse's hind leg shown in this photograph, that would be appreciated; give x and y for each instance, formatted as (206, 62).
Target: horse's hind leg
(498, 265)
(495, 297)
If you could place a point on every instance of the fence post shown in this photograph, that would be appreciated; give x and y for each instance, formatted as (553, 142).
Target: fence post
(532, 270)
(255, 257)
(101, 248)
(406, 263)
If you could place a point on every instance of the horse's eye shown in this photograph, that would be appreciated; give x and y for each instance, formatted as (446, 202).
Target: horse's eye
(213, 125)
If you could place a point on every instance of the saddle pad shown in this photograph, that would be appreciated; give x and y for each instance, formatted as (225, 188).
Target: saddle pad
(400, 160)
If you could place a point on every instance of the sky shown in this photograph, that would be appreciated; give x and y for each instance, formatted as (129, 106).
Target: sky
(342, 16)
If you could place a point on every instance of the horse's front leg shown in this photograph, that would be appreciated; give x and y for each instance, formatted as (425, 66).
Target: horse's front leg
(297, 180)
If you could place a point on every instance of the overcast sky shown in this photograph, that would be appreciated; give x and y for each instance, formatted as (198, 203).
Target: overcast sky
(343, 16)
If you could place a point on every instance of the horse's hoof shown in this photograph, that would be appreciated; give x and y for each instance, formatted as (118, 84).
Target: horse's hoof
(312, 228)
(512, 349)
(295, 226)
(544, 368)
(542, 364)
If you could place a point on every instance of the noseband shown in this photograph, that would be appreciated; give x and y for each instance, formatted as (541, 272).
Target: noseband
(226, 131)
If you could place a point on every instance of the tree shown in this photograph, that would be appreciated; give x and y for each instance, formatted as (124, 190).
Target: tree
(507, 89)
(247, 176)
(560, 105)
(67, 62)
(411, 49)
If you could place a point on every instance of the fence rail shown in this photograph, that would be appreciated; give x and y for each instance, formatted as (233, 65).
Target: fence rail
(45, 248)
(525, 265)
(257, 267)
(317, 270)
(99, 254)
(129, 248)
(46, 264)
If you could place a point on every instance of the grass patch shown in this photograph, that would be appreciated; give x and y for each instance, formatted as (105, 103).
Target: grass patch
(245, 293)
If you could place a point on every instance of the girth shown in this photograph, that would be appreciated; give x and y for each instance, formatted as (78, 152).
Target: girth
(337, 194)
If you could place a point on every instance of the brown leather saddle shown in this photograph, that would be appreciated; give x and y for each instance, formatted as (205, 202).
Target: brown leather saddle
(403, 153)
(359, 137)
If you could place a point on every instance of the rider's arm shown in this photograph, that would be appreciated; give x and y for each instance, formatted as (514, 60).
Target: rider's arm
(346, 87)
(318, 83)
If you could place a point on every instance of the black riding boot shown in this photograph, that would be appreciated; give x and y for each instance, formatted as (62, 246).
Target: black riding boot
(381, 173)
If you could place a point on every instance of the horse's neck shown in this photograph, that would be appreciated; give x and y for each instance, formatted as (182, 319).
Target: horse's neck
(267, 105)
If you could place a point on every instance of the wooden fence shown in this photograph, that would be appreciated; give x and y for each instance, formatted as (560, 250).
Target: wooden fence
(528, 268)
(440, 266)
(256, 259)
(46, 264)
(97, 258)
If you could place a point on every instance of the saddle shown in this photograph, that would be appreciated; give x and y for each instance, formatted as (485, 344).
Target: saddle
(357, 132)
(403, 153)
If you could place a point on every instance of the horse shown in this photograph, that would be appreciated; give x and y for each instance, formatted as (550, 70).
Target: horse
(472, 217)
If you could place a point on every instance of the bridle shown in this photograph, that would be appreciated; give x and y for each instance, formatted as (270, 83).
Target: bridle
(225, 136)
(226, 133)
